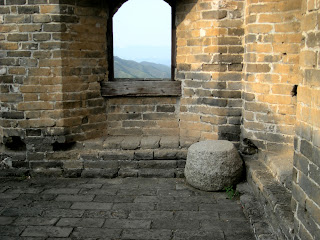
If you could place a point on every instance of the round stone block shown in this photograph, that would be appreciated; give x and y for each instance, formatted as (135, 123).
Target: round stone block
(213, 165)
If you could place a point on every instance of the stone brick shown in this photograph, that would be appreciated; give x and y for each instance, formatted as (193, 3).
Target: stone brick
(17, 19)
(16, 2)
(8, 46)
(46, 231)
(306, 149)
(143, 154)
(258, 68)
(216, 14)
(50, 27)
(17, 37)
(28, 9)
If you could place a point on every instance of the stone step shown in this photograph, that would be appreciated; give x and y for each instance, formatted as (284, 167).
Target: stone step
(146, 154)
(253, 210)
(120, 156)
(281, 166)
(273, 196)
(133, 142)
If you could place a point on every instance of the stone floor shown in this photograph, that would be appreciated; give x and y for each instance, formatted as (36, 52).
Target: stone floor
(128, 208)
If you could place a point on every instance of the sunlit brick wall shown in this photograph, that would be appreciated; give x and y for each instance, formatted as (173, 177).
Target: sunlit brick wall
(306, 180)
(52, 59)
(209, 64)
(272, 46)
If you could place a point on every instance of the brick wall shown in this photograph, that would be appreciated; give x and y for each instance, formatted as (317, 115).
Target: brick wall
(272, 46)
(50, 73)
(306, 180)
(209, 64)
(148, 116)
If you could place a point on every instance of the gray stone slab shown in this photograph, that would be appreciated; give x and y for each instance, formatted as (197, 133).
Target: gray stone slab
(94, 233)
(219, 207)
(197, 199)
(152, 199)
(6, 220)
(113, 143)
(9, 196)
(80, 222)
(117, 155)
(169, 142)
(61, 191)
(50, 204)
(89, 185)
(198, 215)
(134, 206)
(127, 224)
(182, 234)
(143, 154)
(99, 173)
(113, 214)
(226, 225)
(185, 193)
(37, 197)
(176, 206)
(137, 192)
(26, 212)
(103, 191)
(35, 221)
(41, 231)
(24, 190)
(162, 234)
(128, 172)
(63, 213)
(91, 205)
(29, 238)
(129, 208)
(114, 199)
(151, 214)
(75, 198)
(156, 173)
(174, 224)
(13, 231)
(150, 142)
(130, 143)
(244, 235)
(158, 164)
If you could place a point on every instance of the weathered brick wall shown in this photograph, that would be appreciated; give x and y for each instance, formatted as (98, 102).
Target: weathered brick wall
(272, 46)
(52, 59)
(148, 116)
(209, 64)
(84, 66)
(306, 180)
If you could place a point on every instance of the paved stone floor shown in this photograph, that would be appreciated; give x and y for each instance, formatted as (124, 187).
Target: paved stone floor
(129, 208)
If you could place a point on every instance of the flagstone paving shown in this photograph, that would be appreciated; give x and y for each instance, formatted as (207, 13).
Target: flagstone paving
(121, 208)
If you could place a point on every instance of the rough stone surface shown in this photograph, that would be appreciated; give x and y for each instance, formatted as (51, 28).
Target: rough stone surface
(212, 165)
(132, 208)
(272, 196)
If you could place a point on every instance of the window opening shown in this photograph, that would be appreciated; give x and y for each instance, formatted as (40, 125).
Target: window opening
(142, 41)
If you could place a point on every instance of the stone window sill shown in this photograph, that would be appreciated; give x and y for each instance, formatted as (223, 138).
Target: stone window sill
(140, 88)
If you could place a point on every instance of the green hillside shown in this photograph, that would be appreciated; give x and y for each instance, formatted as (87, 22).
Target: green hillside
(131, 69)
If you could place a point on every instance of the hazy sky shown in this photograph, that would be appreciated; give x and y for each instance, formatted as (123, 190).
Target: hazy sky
(140, 26)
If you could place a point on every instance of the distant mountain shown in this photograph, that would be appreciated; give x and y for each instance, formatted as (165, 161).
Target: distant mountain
(131, 69)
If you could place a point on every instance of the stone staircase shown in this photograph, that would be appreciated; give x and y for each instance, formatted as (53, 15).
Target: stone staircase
(110, 157)
(123, 156)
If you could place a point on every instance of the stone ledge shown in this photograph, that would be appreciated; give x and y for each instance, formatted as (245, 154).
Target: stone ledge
(254, 212)
(281, 167)
(273, 196)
